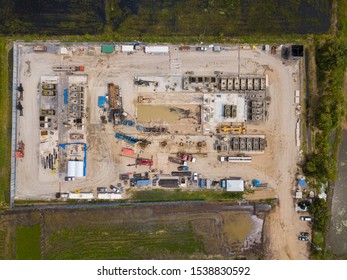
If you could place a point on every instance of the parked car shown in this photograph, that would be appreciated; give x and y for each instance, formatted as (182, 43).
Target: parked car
(101, 189)
(303, 238)
(195, 177)
(304, 233)
(183, 168)
(305, 218)
(69, 178)
(201, 49)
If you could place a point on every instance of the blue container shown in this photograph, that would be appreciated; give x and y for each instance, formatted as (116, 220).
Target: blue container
(66, 96)
(101, 101)
(140, 183)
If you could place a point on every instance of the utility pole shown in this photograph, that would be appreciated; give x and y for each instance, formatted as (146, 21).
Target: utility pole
(315, 246)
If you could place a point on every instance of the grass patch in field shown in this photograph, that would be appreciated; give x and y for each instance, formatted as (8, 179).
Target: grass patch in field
(28, 245)
(5, 125)
(318, 239)
(178, 195)
(2, 245)
(137, 241)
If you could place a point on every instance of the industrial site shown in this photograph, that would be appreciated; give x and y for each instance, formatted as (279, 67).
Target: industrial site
(95, 120)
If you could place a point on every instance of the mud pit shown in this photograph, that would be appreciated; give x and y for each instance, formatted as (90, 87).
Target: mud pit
(168, 114)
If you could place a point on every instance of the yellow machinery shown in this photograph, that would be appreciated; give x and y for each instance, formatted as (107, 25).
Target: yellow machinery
(142, 99)
(235, 129)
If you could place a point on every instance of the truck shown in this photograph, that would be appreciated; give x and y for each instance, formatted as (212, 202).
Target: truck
(235, 159)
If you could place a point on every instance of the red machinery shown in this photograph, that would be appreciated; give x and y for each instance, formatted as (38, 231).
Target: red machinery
(20, 150)
(144, 161)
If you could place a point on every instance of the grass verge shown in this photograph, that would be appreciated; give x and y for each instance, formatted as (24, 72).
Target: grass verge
(5, 126)
(179, 195)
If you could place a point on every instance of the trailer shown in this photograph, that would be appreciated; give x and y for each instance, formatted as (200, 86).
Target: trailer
(181, 173)
(168, 183)
(68, 68)
(157, 49)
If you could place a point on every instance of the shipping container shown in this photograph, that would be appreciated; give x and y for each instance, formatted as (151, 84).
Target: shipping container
(127, 48)
(140, 183)
(156, 49)
(107, 49)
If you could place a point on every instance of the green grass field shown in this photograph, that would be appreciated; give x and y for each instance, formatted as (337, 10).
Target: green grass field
(5, 125)
(178, 195)
(140, 241)
(28, 245)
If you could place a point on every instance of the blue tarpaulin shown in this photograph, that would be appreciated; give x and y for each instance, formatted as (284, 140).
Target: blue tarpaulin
(66, 96)
(101, 101)
(256, 183)
(302, 183)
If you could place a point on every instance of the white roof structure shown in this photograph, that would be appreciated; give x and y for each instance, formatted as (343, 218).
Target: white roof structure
(235, 185)
(156, 49)
(85, 195)
(75, 168)
(63, 50)
(298, 194)
(109, 196)
(127, 48)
